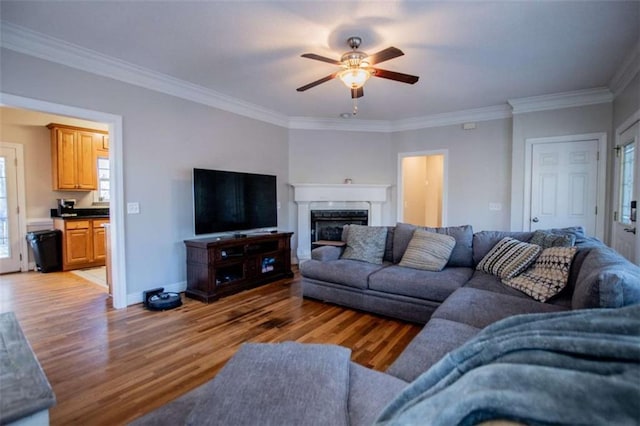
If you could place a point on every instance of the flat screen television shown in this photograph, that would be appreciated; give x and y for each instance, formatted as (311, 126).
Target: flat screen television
(232, 201)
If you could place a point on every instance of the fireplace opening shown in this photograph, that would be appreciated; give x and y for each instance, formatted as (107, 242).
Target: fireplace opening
(327, 224)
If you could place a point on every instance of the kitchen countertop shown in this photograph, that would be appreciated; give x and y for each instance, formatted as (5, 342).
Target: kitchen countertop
(94, 213)
(24, 387)
(95, 216)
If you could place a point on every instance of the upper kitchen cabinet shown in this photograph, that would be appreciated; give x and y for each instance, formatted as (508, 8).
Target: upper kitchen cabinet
(73, 156)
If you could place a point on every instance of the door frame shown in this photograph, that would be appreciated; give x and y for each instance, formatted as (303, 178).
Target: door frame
(626, 125)
(22, 215)
(601, 178)
(445, 180)
(116, 205)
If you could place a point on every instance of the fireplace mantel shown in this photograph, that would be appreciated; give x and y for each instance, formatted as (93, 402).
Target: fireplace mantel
(307, 193)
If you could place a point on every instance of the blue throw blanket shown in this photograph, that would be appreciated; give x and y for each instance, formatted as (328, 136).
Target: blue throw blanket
(569, 368)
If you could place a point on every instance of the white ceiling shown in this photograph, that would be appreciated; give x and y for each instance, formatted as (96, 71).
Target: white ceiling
(468, 54)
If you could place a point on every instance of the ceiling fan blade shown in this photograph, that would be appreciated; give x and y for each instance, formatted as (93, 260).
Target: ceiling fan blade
(315, 83)
(357, 93)
(384, 55)
(321, 58)
(397, 76)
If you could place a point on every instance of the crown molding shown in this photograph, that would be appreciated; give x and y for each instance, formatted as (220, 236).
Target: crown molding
(495, 112)
(35, 44)
(561, 100)
(627, 71)
(32, 43)
(342, 124)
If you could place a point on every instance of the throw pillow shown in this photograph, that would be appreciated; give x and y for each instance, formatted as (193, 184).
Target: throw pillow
(547, 276)
(509, 258)
(366, 243)
(428, 251)
(546, 239)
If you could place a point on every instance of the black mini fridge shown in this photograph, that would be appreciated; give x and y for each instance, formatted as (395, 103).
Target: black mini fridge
(47, 249)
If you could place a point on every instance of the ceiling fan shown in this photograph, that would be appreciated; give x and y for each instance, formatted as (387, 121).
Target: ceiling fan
(358, 67)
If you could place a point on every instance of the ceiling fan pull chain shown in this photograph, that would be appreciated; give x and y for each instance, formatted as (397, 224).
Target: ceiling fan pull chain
(355, 106)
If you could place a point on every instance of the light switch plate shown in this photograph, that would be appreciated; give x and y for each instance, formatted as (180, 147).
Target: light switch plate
(495, 206)
(133, 208)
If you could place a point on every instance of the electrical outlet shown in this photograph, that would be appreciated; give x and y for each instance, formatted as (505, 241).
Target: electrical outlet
(133, 208)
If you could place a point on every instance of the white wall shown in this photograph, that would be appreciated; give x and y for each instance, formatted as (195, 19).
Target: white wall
(327, 156)
(479, 168)
(164, 138)
(561, 122)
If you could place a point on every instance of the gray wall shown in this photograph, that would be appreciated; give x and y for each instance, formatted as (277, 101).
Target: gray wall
(164, 138)
(627, 102)
(562, 122)
(479, 169)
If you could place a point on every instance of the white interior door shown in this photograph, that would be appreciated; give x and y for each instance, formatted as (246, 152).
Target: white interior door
(564, 185)
(9, 216)
(626, 186)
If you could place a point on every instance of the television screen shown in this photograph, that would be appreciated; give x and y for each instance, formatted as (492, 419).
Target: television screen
(232, 201)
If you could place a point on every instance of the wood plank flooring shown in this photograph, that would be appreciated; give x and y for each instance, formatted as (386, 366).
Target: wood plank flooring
(108, 366)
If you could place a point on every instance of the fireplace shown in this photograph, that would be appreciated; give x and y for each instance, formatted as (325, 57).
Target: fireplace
(327, 224)
(310, 196)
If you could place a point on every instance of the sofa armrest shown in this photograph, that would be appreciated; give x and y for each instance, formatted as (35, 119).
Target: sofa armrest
(326, 253)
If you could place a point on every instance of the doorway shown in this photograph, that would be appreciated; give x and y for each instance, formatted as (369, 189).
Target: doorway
(422, 188)
(565, 183)
(114, 122)
(624, 234)
(11, 218)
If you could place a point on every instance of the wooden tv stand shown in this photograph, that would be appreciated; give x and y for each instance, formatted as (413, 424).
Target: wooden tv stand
(221, 266)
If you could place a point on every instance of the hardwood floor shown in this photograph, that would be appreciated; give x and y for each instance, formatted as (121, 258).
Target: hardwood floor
(111, 366)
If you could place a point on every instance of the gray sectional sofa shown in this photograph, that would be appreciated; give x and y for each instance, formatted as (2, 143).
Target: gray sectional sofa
(487, 351)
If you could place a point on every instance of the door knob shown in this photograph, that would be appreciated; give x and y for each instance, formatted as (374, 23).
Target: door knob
(535, 220)
(632, 230)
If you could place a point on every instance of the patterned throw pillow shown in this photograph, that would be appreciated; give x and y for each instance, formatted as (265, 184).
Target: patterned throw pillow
(428, 251)
(546, 239)
(508, 258)
(366, 243)
(547, 276)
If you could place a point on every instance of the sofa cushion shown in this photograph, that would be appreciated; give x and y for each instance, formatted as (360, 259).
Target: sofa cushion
(606, 280)
(484, 241)
(509, 257)
(366, 243)
(547, 276)
(429, 285)
(479, 308)
(428, 250)
(462, 254)
(351, 273)
(401, 238)
(326, 253)
(489, 282)
(369, 392)
(546, 239)
(435, 340)
(388, 247)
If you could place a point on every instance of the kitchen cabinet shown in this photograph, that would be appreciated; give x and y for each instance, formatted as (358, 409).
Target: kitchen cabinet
(74, 156)
(83, 242)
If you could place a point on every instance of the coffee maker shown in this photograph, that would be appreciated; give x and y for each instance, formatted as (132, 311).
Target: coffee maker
(66, 207)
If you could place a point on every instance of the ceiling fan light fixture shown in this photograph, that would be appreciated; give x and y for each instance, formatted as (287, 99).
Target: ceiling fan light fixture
(354, 78)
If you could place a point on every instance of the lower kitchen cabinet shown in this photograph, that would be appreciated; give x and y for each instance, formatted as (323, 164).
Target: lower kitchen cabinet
(82, 242)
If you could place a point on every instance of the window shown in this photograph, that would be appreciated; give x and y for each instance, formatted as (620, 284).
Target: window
(626, 181)
(103, 180)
